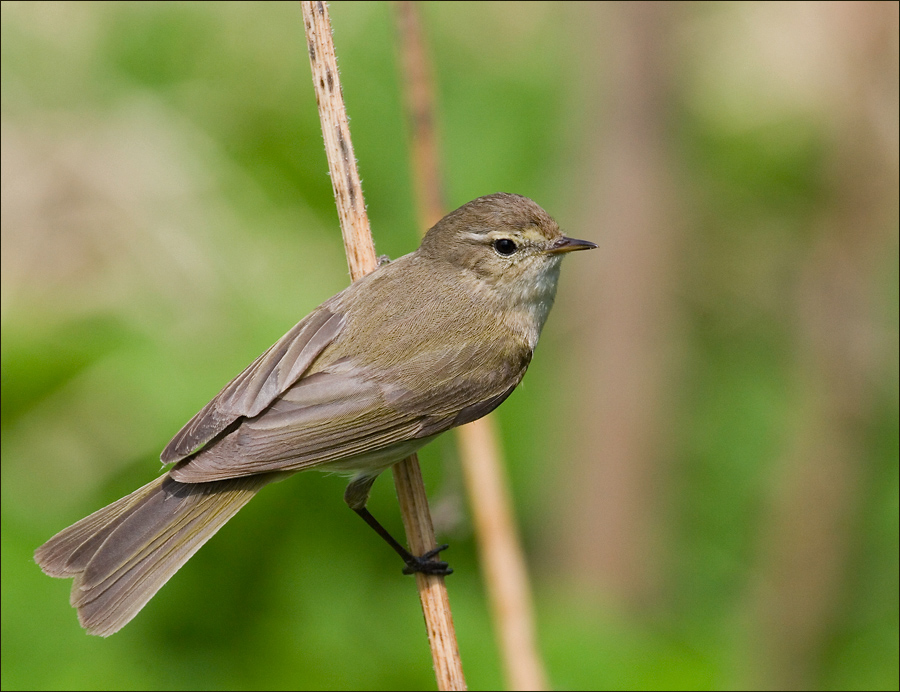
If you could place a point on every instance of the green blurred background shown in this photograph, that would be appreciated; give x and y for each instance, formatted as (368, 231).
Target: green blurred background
(704, 455)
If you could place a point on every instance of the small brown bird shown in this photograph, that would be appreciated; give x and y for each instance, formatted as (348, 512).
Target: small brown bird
(433, 340)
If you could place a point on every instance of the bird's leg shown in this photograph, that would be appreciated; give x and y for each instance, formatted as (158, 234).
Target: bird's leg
(356, 495)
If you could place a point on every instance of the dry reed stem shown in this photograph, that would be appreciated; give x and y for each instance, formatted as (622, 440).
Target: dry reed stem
(502, 560)
(348, 194)
(418, 87)
(362, 260)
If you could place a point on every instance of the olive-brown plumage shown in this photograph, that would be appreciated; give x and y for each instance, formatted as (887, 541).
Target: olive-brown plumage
(435, 339)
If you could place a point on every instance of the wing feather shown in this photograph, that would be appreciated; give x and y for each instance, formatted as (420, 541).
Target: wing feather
(260, 384)
(345, 413)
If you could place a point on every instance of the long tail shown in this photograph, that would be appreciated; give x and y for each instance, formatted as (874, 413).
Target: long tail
(121, 555)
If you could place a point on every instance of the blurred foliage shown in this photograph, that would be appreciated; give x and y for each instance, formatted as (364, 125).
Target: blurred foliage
(167, 215)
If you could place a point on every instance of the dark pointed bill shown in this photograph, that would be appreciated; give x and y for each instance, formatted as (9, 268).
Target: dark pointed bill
(566, 244)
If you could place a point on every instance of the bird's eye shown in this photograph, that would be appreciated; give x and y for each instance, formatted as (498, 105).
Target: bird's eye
(505, 246)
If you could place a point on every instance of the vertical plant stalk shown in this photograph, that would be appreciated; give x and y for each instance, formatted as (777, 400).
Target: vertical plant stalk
(502, 560)
(630, 315)
(361, 258)
(807, 570)
(348, 195)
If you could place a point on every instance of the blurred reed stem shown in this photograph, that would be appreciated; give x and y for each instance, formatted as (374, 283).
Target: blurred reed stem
(502, 560)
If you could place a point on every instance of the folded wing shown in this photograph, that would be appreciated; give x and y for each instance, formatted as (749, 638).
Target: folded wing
(364, 419)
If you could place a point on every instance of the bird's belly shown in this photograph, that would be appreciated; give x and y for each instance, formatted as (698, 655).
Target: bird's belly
(373, 463)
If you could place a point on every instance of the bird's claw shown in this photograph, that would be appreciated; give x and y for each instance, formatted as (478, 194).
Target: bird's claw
(427, 565)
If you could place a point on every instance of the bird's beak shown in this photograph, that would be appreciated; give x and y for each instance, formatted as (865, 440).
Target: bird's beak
(565, 244)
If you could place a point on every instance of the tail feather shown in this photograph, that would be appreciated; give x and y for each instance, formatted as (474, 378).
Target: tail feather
(121, 555)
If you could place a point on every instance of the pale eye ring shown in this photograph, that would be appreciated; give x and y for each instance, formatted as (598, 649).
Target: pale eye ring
(505, 247)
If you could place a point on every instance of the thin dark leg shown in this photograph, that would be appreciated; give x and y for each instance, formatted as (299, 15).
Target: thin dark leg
(356, 495)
